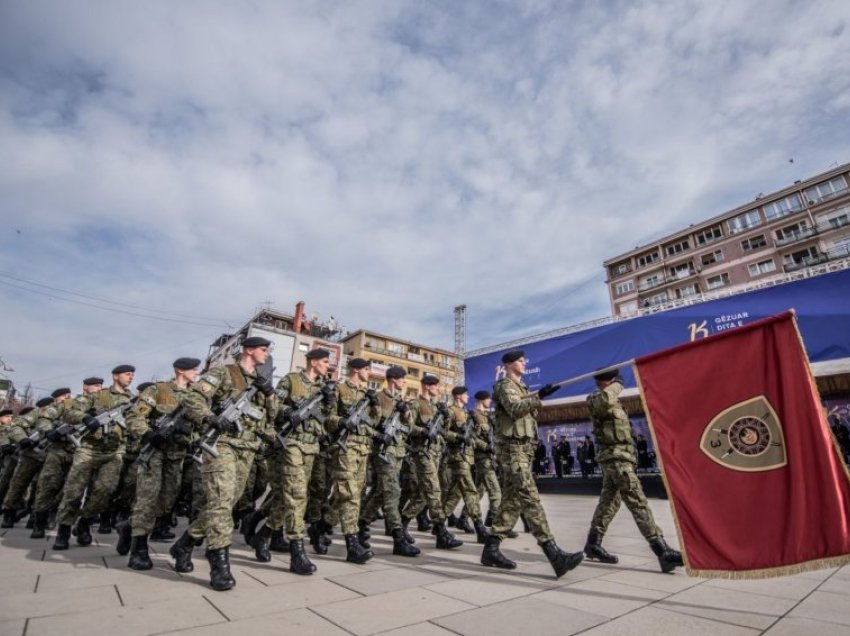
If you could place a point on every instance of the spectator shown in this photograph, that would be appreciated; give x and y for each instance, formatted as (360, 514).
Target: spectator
(591, 454)
(539, 458)
(556, 458)
(643, 461)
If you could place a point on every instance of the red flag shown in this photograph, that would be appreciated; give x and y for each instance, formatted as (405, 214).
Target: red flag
(756, 482)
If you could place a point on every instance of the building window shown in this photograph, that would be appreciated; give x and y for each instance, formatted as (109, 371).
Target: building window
(743, 221)
(677, 248)
(709, 236)
(712, 257)
(621, 268)
(713, 282)
(647, 259)
(657, 299)
(808, 256)
(651, 281)
(687, 292)
(835, 219)
(626, 287)
(374, 384)
(395, 348)
(303, 347)
(826, 190)
(764, 267)
(753, 243)
(627, 308)
(681, 271)
(793, 232)
(783, 207)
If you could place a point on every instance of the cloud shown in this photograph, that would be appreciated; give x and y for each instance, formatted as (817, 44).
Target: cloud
(383, 161)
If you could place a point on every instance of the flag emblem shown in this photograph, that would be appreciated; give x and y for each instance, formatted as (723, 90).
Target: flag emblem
(747, 436)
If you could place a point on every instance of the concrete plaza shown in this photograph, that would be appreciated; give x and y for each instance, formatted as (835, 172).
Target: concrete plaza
(91, 591)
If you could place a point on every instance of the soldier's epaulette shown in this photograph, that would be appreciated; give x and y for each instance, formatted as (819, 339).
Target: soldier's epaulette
(208, 383)
(147, 399)
(52, 412)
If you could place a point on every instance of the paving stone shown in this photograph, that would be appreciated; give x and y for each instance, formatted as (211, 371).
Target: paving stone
(27, 604)
(420, 629)
(791, 626)
(653, 579)
(489, 589)
(603, 598)
(13, 627)
(730, 606)
(824, 606)
(17, 583)
(302, 622)
(659, 622)
(789, 587)
(379, 582)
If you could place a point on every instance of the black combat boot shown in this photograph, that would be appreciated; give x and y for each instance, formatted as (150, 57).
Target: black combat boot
(278, 542)
(668, 558)
(387, 530)
(356, 553)
(562, 562)
(451, 521)
(402, 547)
(481, 531)
(594, 551)
(463, 524)
(423, 522)
(315, 535)
(492, 556)
(39, 525)
(162, 532)
(63, 535)
(445, 539)
(83, 531)
(525, 525)
(220, 578)
(407, 536)
(260, 543)
(8, 519)
(248, 525)
(104, 525)
(30, 522)
(363, 535)
(139, 557)
(488, 520)
(125, 538)
(181, 552)
(299, 562)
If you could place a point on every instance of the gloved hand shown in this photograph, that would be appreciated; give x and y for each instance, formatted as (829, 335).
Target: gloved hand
(91, 423)
(386, 438)
(220, 424)
(264, 385)
(372, 396)
(402, 407)
(547, 390)
(53, 436)
(433, 435)
(154, 438)
(26, 443)
(183, 427)
(443, 409)
(349, 425)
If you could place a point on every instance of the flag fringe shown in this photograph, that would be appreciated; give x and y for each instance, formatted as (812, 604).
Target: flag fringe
(770, 573)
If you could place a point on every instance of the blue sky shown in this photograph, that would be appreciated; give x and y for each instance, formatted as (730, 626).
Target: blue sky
(383, 161)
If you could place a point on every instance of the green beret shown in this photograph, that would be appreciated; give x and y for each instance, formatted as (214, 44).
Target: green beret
(256, 341)
(185, 364)
(513, 356)
(123, 368)
(430, 380)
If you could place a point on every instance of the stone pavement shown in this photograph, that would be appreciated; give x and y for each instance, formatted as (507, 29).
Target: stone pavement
(91, 591)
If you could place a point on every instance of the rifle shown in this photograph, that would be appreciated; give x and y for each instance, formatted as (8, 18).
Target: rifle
(491, 436)
(165, 424)
(392, 427)
(287, 422)
(65, 431)
(106, 419)
(434, 427)
(466, 432)
(231, 410)
(355, 419)
(35, 438)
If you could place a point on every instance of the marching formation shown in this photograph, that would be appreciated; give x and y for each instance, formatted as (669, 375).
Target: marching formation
(285, 463)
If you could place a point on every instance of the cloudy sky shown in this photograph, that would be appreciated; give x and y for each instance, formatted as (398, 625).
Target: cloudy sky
(178, 164)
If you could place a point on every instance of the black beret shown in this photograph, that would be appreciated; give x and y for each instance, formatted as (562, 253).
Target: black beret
(26, 410)
(256, 341)
(513, 356)
(5, 412)
(358, 363)
(395, 373)
(124, 368)
(143, 386)
(92, 381)
(605, 376)
(459, 390)
(60, 392)
(318, 354)
(45, 401)
(184, 364)
(482, 395)
(430, 380)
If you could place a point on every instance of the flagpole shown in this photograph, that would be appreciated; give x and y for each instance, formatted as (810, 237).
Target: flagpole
(590, 374)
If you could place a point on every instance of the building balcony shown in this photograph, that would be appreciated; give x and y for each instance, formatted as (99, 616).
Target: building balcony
(410, 357)
(796, 237)
(824, 257)
(652, 284)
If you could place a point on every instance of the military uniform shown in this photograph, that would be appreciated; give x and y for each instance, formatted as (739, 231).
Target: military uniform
(30, 460)
(461, 459)
(424, 461)
(485, 470)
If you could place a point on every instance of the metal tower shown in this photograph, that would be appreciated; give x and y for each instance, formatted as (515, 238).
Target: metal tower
(460, 339)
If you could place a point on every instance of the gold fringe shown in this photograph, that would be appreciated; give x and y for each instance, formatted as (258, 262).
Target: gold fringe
(770, 573)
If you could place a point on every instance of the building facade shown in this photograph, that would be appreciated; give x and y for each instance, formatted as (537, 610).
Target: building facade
(804, 225)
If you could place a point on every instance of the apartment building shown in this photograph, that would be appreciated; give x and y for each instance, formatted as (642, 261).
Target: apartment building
(803, 225)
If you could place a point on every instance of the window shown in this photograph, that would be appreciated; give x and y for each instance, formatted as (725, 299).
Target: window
(647, 259)
(753, 243)
(395, 348)
(764, 267)
(713, 282)
(793, 232)
(303, 347)
(713, 257)
(622, 268)
(413, 372)
(709, 236)
(841, 247)
(677, 248)
(651, 281)
(783, 207)
(743, 221)
(687, 292)
(808, 256)
(826, 190)
(838, 218)
(657, 299)
(626, 287)
(627, 308)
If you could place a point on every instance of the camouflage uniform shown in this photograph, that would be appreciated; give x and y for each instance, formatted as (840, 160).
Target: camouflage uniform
(616, 454)
(57, 463)
(485, 471)
(461, 459)
(424, 459)
(8, 461)
(321, 482)
(157, 483)
(30, 460)
(97, 463)
(516, 432)
(223, 478)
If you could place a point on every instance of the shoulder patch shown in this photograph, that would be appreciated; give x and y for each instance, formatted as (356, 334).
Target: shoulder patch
(51, 412)
(147, 399)
(210, 378)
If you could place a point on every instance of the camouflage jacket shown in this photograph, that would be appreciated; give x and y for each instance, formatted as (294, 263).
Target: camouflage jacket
(383, 412)
(155, 401)
(455, 424)
(611, 426)
(483, 426)
(95, 404)
(422, 411)
(515, 411)
(292, 390)
(349, 396)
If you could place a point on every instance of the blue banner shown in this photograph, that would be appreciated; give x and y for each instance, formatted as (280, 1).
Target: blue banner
(822, 304)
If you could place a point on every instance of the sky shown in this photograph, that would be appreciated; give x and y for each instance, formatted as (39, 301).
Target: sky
(166, 168)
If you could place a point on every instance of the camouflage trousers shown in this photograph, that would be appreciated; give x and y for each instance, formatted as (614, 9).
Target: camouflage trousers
(51, 479)
(255, 487)
(463, 487)
(444, 473)
(519, 492)
(125, 494)
(6, 472)
(157, 487)
(26, 473)
(222, 480)
(387, 491)
(348, 472)
(620, 483)
(424, 469)
(273, 508)
(298, 459)
(487, 481)
(321, 482)
(95, 470)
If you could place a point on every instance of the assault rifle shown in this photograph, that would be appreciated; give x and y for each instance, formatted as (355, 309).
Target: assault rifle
(166, 426)
(391, 428)
(65, 432)
(491, 436)
(290, 420)
(434, 427)
(232, 411)
(32, 440)
(106, 420)
(354, 421)
(466, 432)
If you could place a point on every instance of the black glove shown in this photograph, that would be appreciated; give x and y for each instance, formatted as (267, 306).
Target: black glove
(154, 438)
(91, 423)
(402, 407)
(547, 390)
(443, 409)
(220, 424)
(385, 438)
(264, 385)
(372, 396)
(26, 443)
(329, 393)
(183, 427)
(53, 436)
(433, 435)
(349, 425)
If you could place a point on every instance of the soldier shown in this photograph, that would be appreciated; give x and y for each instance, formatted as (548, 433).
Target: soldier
(516, 431)
(620, 483)
(9, 454)
(223, 477)
(460, 442)
(158, 478)
(425, 451)
(30, 460)
(97, 463)
(485, 450)
(386, 460)
(294, 389)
